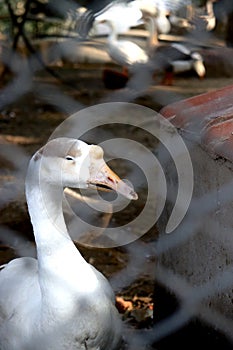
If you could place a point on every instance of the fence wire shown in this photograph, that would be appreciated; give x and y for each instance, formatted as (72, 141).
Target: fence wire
(194, 263)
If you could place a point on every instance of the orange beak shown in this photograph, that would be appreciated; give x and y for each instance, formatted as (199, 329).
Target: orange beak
(106, 180)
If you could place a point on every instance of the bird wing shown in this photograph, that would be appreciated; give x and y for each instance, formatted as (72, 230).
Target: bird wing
(182, 48)
(19, 302)
(18, 286)
(164, 56)
(122, 15)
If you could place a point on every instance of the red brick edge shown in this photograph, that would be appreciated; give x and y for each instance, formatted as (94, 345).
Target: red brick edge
(209, 117)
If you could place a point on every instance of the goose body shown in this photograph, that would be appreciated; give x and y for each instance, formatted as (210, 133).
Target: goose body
(124, 52)
(59, 301)
(119, 18)
(177, 58)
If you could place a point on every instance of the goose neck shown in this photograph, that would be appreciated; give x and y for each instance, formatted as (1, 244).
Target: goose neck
(152, 41)
(62, 271)
(113, 32)
(45, 209)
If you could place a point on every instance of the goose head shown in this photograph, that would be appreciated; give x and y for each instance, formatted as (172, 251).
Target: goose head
(69, 162)
(198, 64)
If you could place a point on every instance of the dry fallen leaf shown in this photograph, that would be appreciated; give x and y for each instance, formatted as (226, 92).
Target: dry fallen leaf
(123, 305)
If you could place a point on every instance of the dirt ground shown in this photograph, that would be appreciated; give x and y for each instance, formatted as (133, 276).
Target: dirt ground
(30, 120)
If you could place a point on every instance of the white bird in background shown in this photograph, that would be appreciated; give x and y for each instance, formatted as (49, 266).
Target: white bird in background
(156, 11)
(168, 15)
(119, 18)
(59, 301)
(171, 58)
(209, 19)
(124, 52)
(148, 7)
(177, 58)
(122, 15)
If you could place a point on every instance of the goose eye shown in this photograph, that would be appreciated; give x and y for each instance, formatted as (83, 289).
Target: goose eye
(70, 158)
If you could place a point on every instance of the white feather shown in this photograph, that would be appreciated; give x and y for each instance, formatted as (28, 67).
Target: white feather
(57, 301)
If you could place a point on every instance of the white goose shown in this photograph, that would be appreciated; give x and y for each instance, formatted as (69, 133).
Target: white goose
(119, 18)
(124, 52)
(59, 301)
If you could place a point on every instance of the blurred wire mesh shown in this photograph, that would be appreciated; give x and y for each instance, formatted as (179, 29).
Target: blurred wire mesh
(194, 263)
